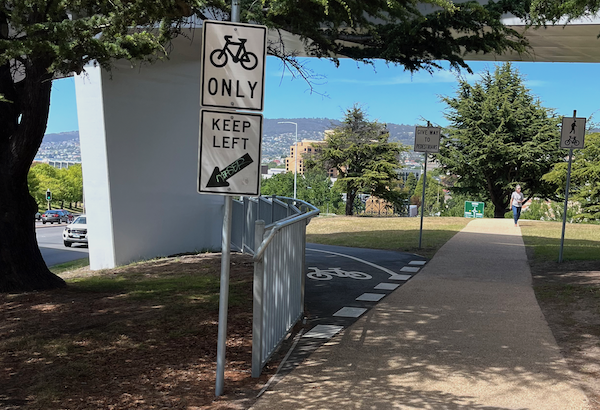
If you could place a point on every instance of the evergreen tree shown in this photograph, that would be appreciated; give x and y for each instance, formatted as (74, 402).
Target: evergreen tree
(585, 179)
(500, 136)
(411, 184)
(365, 160)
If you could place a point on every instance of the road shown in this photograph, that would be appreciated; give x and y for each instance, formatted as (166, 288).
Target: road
(51, 245)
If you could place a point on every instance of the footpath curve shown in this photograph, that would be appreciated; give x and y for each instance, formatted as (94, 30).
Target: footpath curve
(464, 333)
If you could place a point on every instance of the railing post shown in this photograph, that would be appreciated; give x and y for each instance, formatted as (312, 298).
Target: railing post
(257, 306)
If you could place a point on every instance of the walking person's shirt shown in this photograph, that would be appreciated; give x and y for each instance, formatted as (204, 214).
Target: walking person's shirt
(516, 199)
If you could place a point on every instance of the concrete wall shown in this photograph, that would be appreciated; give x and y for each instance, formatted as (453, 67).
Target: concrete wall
(139, 146)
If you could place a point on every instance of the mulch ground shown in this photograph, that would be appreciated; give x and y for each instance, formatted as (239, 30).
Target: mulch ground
(70, 349)
(569, 295)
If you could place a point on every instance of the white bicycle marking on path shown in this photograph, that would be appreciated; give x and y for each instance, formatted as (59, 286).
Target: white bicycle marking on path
(393, 275)
(328, 274)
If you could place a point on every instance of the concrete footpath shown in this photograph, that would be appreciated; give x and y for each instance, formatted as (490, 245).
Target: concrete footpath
(465, 333)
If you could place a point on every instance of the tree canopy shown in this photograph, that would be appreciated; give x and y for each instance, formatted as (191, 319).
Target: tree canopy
(585, 178)
(66, 184)
(500, 136)
(366, 162)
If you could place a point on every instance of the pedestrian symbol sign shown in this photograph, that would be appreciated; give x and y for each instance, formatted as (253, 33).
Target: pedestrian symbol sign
(233, 65)
(229, 155)
(474, 209)
(572, 134)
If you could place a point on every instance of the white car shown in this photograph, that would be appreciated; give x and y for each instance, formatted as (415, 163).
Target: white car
(76, 232)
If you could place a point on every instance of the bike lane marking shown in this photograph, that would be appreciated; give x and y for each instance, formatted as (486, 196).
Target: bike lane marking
(393, 275)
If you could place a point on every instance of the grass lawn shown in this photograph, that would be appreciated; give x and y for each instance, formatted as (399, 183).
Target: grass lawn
(401, 234)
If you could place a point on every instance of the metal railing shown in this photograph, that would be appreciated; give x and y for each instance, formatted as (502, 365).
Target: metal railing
(279, 253)
(249, 210)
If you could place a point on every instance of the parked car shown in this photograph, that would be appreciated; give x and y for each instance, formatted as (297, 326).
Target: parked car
(38, 216)
(55, 215)
(76, 232)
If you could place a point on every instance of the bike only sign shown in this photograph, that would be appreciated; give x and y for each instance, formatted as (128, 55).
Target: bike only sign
(229, 154)
(572, 135)
(233, 65)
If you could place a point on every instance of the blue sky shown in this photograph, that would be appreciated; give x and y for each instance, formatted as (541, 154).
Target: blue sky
(388, 93)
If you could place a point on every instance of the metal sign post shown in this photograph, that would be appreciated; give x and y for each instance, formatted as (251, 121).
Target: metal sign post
(427, 139)
(572, 137)
(232, 78)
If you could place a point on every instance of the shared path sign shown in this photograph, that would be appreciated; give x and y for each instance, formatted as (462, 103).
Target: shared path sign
(572, 135)
(229, 154)
(233, 65)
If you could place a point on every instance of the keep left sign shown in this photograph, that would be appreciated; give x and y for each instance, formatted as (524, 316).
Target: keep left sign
(229, 154)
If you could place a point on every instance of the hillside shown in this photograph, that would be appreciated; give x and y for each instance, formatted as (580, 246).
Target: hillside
(277, 137)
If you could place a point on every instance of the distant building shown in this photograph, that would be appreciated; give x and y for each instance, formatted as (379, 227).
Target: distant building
(58, 163)
(305, 147)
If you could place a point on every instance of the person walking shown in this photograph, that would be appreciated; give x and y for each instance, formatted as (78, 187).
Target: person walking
(516, 203)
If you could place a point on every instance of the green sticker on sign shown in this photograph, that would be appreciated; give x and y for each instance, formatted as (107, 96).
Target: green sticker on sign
(474, 209)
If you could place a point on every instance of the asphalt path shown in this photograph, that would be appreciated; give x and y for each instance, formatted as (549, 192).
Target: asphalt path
(338, 275)
(342, 284)
(50, 242)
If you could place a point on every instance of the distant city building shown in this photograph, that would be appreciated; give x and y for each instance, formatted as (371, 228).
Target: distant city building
(273, 171)
(405, 172)
(57, 163)
(305, 147)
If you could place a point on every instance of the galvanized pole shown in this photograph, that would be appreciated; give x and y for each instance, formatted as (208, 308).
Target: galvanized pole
(225, 264)
(562, 235)
(423, 201)
(223, 295)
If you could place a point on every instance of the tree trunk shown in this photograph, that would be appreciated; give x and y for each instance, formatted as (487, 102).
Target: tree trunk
(350, 197)
(499, 207)
(22, 125)
(22, 267)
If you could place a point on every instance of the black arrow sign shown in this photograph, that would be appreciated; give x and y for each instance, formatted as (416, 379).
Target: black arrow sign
(219, 178)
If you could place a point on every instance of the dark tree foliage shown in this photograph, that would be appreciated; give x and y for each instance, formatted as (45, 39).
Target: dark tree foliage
(585, 179)
(365, 160)
(500, 136)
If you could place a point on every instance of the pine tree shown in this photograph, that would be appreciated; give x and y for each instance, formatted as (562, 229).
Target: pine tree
(500, 136)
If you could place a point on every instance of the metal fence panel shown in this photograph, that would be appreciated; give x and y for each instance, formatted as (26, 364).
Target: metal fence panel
(279, 266)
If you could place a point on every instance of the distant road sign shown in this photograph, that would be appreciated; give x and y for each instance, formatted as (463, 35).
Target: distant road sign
(233, 65)
(229, 157)
(572, 134)
(474, 209)
(427, 139)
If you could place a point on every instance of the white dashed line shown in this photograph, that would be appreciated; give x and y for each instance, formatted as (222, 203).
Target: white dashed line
(387, 286)
(350, 312)
(323, 331)
(371, 297)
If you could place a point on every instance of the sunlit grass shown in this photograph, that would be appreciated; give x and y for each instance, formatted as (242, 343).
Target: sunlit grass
(581, 242)
(401, 234)
(69, 266)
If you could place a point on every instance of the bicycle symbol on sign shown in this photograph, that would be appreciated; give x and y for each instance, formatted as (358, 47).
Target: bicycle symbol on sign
(572, 140)
(247, 59)
(328, 274)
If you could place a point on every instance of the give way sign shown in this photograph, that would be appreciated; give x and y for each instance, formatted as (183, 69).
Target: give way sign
(233, 65)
